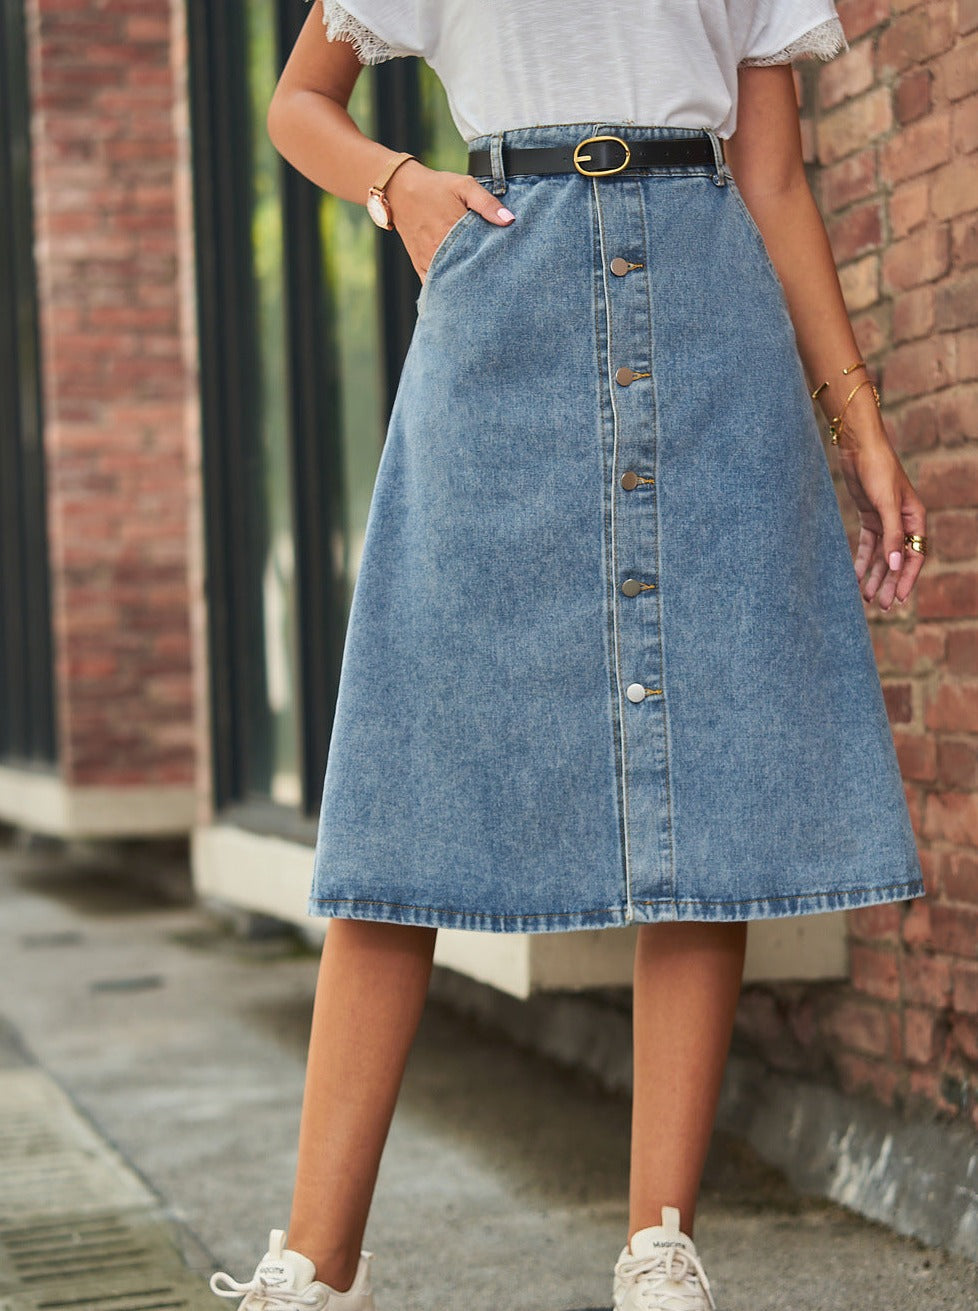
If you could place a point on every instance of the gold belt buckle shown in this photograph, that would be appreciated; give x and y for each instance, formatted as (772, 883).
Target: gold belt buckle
(599, 172)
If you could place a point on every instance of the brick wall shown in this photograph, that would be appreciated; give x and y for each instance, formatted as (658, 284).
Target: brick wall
(892, 131)
(106, 174)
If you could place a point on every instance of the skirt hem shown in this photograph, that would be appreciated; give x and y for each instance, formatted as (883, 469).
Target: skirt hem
(644, 912)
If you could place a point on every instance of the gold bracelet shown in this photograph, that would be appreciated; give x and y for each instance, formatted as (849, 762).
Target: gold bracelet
(835, 426)
(859, 364)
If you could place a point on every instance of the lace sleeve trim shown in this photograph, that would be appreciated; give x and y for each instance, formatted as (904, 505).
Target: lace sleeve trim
(342, 26)
(823, 42)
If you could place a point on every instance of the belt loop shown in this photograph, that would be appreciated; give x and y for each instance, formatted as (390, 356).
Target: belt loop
(719, 177)
(496, 163)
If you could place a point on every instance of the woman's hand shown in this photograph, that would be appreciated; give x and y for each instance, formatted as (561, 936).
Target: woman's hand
(888, 507)
(425, 202)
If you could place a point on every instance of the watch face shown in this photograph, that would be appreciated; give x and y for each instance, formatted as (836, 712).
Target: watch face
(379, 210)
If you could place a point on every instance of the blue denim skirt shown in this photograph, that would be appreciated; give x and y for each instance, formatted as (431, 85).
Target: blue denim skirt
(607, 659)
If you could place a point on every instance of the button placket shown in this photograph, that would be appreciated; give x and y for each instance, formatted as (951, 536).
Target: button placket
(634, 559)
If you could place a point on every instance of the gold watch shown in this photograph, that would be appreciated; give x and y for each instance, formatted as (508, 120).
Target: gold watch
(378, 206)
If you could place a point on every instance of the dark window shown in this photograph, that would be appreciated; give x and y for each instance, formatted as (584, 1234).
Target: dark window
(27, 731)
(306, 311)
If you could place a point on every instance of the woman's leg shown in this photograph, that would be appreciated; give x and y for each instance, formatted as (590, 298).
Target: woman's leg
(687, 981)
(373, 979)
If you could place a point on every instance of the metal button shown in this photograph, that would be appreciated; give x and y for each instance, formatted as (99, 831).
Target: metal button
(620, 267)
(635, 692)
(629, 480)
(632, 587)
(625, 375)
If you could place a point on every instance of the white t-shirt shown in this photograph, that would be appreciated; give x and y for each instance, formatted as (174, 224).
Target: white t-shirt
(522, 63)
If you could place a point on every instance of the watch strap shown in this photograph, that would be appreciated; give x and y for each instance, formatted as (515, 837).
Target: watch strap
(389, 168)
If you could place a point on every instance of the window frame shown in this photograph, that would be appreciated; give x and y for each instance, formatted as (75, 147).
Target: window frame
(28, 734)
(227, 343)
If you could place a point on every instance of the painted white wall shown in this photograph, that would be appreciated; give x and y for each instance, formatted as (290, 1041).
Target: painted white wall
(44, 803)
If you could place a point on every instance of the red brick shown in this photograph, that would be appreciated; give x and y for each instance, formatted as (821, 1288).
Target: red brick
(857, 1074)
(857, 231)
(949, 481)
(920, 147)
(964, 125)
(913, 97)
(964, 1036)
(915, 804)
(955, 190)
(967, 15)
(921, 257)
(861, 1026)
(872, 331)
(913, 314)
(106, 192)
(917, 923)
(852, 179)
(927, 980)
(918, 367)
(964, 241)
(847, 76)
(962, 651)
(966, 349)
(881, 922)
(954, 929)
(953, 534)
(860, 282)
(959, 69)
(899, 702)
(909, 652)
(855, 124)
(914, 426)
(925, 31)
(931, 864)
(957, 764)
(861, 16)
(965, 988)
(917, 755)
(919, 1035)
(875, 972)
(909, 206)
(947, 595)
(759, 1018)
(956, 303)
(961, 875)
(957, 414)
(924, 1087)
(955, 707)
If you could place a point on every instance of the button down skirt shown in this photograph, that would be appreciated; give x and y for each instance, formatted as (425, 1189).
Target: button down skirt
(607, 659)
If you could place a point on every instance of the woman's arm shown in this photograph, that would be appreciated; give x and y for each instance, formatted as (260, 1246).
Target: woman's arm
(309, 125)
(765, 157)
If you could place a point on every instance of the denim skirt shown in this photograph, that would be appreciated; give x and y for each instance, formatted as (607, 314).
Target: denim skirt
(607, 659)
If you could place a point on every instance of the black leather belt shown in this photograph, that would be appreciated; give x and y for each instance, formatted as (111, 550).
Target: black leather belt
(599, 156)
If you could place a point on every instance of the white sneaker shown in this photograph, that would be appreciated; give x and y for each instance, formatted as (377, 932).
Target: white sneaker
(660, 1271)
(286, 1280)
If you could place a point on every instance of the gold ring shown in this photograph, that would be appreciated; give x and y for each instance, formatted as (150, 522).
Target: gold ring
(916, 542)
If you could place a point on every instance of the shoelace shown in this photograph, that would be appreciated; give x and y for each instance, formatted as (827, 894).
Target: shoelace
(272, 1298)
(674, 1266)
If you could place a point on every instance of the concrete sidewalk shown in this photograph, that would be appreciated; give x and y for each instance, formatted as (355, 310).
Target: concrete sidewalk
(181, 1050)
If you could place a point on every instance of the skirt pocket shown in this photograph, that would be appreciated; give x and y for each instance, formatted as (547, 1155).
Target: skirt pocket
(441, 251)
